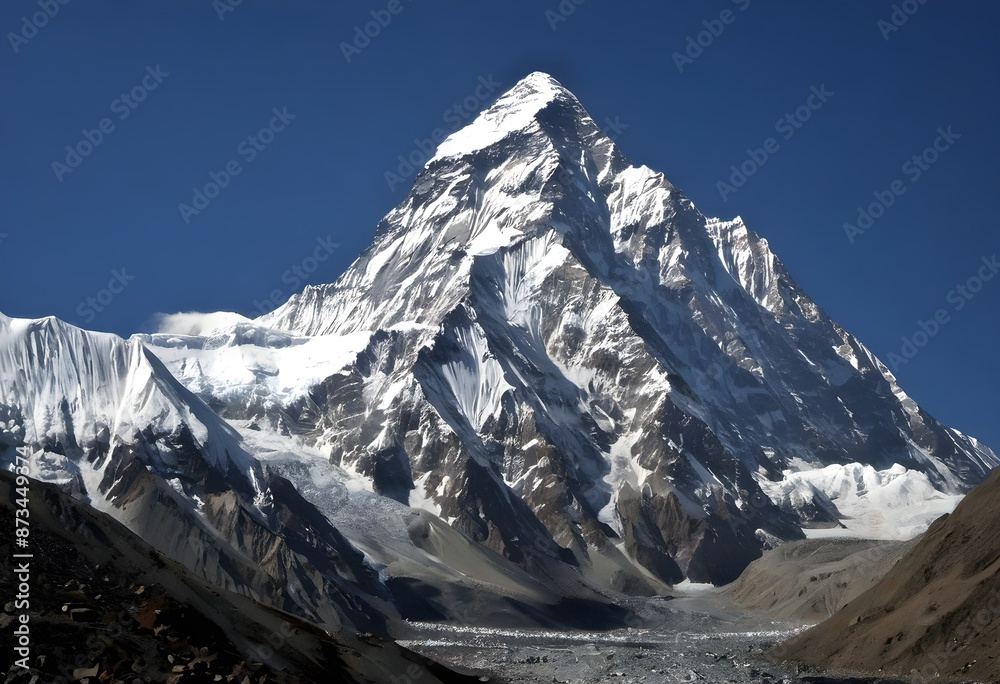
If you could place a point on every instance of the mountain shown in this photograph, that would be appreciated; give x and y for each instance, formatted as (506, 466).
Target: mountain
(934, 613)
(552, 351)
(549, 381)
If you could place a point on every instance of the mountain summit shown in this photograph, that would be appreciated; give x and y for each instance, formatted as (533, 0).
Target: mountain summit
(515, 110)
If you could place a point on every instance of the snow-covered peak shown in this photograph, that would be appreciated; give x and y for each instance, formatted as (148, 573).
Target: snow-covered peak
(545, 155)
(515, 110)
(541, 82)
(82, 392)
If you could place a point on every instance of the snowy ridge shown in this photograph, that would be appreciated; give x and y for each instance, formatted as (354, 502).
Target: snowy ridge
(77, 388)
(117, 430)
(247, 359)
(81, 394)
(749, 261)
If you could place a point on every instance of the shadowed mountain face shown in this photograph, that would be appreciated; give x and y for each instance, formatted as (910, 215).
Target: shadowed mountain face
(936, 612)
(105, 605)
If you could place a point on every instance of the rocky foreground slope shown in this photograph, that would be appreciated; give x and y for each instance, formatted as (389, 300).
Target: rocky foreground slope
(936, 613)
(105, 606)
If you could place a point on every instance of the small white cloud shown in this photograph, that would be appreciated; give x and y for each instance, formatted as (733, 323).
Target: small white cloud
(195, 322)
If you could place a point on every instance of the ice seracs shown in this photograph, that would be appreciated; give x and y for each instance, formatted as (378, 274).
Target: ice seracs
(856, 500)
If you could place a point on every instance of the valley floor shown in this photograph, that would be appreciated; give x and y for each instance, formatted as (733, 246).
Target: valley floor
(698, 637)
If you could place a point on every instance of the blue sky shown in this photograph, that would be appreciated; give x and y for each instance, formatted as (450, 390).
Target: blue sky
(171, 92)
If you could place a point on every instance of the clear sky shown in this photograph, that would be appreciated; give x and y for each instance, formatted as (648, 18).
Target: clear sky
(182, 88)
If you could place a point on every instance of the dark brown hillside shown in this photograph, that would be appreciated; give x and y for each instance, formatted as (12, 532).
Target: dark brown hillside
(935, 613)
